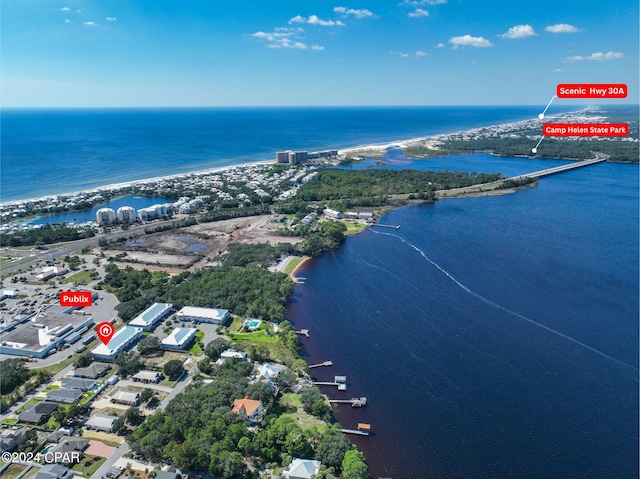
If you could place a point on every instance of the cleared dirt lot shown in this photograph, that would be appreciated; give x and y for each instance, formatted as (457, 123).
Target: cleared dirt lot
(195, 246)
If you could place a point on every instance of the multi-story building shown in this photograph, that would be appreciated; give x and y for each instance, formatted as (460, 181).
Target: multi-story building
(122, 340)
(105, 216)
(126, 214)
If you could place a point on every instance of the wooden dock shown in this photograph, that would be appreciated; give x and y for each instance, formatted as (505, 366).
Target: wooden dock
(319, 365)
(355, 431)
(355, 402)
(395, 227)
(364, 429)
(339, 381)
(303, 332)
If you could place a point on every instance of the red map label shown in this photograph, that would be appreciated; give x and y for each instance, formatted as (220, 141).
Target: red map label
(585, 129)
(76, 298)
(591, 90)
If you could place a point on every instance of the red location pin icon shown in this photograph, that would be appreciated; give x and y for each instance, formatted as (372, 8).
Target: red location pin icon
(105, 331)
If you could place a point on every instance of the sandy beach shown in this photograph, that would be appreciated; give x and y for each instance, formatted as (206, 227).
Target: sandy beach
(430, 141)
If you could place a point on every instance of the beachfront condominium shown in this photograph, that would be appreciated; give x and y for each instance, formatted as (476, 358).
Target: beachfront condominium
(291, 157)
(105, 216)
(126, 214)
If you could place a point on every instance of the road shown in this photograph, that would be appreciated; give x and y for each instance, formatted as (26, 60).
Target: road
(66, 249)
(124, 447)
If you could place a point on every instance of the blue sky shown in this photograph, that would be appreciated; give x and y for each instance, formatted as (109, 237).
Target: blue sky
(77, 53)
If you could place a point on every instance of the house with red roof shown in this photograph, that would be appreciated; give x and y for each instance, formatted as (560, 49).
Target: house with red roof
(249, 409)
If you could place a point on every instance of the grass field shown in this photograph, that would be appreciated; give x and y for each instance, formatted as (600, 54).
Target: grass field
(295, 261)
(81, 277)
(291, 401)
(257, 337)
(353, 228)
(88, 470)
(196, 349)
(56, 368)
(12, 471)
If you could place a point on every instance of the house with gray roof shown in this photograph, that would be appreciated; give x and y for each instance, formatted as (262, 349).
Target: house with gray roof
(101, 422)
(94, 371)
(67, 445)
(64, 395)
(81, 384)
(302, 469)
(54, 471)
(39, 413)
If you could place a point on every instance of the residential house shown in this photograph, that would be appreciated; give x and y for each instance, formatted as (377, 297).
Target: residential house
(249, 409)
(130, 398)
(101, 422)
(54, 471)
(302, 469)
(64, 395)
(147, 377)
(39, 413)
(94, 371)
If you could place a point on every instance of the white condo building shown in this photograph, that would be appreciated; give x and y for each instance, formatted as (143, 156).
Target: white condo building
(105, 216)
(126, 214)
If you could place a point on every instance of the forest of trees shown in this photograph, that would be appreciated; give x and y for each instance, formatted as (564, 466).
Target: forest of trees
(48, 234)
(618, 151)
(255, 254)
(374, 184)
(250, 291)
(197, 431)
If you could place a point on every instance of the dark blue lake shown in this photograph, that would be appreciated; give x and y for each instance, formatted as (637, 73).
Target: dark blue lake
(494, 337)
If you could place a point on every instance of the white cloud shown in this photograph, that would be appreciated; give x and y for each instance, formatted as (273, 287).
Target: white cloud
(66, 20)
(561, 28)
(469, 41)
(560, 70)
(285, 38)
(440, 45)
(314, 20)
(362, 13)
(598, 56)
(420, 53)
(519, 31)
(418, 12)
(112, 19)
(400, 54)
(65, 9)
(90, 24)
(415, 3)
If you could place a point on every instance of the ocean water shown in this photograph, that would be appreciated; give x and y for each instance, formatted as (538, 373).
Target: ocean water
(494, 337)
(62, 151)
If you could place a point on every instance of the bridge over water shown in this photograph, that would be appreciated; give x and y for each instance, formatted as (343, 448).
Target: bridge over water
(560, 169)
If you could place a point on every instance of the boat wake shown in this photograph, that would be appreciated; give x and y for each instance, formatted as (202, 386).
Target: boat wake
(502, 308)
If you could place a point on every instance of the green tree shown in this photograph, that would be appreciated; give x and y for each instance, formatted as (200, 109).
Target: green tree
(146, 394)
(332, 448)
(215, 348)
(353, 465)
(150, 345)
(128, 363)
(173, 369)
(84, 360)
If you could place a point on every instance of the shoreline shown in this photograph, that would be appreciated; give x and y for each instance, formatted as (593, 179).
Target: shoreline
(401, 143)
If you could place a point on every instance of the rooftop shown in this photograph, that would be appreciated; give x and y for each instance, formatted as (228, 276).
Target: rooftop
(119, 339)
(179, 336)
(208, 313)
(149, 315)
